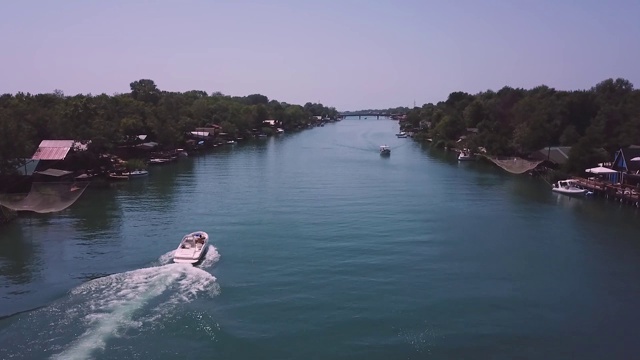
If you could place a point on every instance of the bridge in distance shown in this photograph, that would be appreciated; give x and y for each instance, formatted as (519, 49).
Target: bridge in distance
(377, 114)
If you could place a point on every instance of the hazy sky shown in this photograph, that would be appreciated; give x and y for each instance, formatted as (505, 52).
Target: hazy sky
(350, 54)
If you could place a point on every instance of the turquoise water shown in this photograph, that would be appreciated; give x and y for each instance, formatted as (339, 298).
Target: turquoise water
(323, 249)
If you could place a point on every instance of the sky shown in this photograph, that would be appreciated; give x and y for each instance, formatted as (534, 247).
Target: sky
(350, 54)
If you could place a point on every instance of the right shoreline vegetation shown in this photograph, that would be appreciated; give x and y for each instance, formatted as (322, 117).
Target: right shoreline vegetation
(518, 122)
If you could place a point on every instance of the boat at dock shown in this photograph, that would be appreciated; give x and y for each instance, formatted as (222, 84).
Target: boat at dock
(401, 134)
(465, 155)
(127, 175)
(192, 248)
(385, 150)
(569, 187)
(159, 161)
(136, 173)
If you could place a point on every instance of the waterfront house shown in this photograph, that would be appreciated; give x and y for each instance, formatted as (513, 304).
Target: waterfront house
(212, 129)
(55, 150)
(625, 164)
(54, 153)
(555, 155)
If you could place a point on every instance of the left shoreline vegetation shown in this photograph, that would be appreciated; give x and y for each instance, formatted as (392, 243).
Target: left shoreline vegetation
(146, 118)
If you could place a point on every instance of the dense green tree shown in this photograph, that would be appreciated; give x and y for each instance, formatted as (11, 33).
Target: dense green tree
(518, 121)
(145, 90)
(107, 121)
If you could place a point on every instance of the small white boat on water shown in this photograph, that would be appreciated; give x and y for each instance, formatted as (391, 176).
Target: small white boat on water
(192, 248)
(465, 155)
(385, 150)
(401, 134)
(568, 187)
(136, 173)
(159, 161)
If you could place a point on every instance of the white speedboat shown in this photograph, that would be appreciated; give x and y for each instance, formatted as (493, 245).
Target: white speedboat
(385, 150)
(568, 187)
(192, 248)
(401, 134)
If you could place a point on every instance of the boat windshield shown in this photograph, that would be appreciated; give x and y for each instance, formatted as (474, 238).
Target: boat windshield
(188, 240)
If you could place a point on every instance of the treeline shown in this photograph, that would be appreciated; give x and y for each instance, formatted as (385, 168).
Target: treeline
(164, 116)
(518, 121)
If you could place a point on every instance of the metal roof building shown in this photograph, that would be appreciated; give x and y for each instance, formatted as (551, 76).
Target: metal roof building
(56, 149)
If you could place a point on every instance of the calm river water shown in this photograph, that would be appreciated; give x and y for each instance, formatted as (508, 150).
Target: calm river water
(323, 249)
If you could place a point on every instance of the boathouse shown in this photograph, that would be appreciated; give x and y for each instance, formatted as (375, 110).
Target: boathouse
(627, 163)
(556, 155)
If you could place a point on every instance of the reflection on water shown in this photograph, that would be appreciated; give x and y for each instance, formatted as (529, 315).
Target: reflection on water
(97, 211)
(19, 263)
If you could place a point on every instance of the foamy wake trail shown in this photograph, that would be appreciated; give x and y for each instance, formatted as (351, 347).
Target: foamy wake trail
(112, 305)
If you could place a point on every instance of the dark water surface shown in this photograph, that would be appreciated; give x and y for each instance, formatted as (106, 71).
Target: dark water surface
(325, 250)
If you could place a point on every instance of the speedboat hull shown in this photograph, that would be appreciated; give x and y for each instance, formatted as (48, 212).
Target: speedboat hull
(570, 191)
(192, 248)
(568, 187)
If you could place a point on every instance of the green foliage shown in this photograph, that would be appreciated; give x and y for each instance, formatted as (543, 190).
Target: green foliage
(583, 156)
(518, 121)
(136, 164)
(108, 121)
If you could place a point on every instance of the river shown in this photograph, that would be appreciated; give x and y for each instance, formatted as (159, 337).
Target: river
(323, 249)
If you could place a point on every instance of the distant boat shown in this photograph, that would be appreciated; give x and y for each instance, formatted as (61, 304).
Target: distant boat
(568, 187)
(159, 161)
(182, 153)
(136, 173)
(115, 176)
(192, 248)
(401, 134)
(231, 142)
(85, 176)
(127, 175)
(465, 155)
(280, 131)
(385, 150)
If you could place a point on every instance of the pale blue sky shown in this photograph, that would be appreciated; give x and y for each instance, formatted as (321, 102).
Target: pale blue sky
(350, 54)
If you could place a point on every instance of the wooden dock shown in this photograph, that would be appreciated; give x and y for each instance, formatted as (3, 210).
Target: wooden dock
(617, 192)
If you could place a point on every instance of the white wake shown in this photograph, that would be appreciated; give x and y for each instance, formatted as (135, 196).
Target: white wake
(109, 306)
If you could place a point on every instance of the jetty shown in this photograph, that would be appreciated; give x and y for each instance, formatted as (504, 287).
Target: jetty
(618, 192)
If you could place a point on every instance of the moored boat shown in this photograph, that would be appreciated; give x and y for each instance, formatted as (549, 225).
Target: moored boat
(192, 248)
(159, 161)
(568, 187)
(136, 173)
(117, 176)
(401, 134)
(465, 155)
